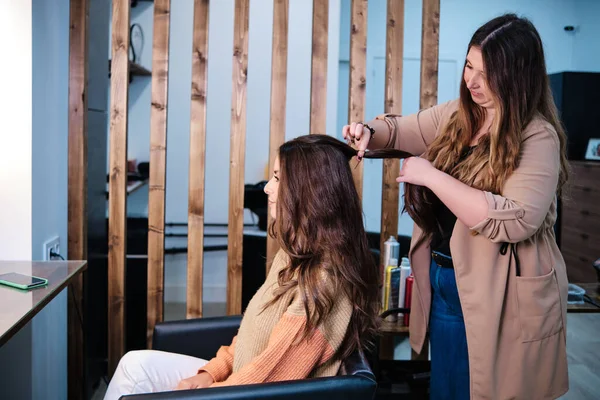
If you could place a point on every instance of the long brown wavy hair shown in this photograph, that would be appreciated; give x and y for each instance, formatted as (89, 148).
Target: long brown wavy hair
(319, 225)
(515, 70)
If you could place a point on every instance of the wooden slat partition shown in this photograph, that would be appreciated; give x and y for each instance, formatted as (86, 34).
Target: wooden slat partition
(77, 186)
(237, 158)
(117, 201)
(278, 96)
(430, 46)
(158, 159)
(430, 40)
(318, 80)
(197, 160)
(358, 69)
(394, 54)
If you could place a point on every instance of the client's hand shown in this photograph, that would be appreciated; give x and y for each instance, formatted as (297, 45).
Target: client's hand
(202, 380)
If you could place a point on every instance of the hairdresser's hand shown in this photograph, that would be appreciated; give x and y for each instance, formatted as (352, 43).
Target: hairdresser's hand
(202, 380)
(357, 135)
(417, 170)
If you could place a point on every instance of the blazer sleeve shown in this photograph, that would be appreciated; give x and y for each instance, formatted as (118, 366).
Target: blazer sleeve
(518, 213)
(414, 133)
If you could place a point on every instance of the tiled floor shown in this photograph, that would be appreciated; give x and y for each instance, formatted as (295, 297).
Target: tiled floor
(583, 351)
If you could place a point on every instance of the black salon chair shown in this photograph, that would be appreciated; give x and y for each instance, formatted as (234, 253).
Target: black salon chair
(203, 337)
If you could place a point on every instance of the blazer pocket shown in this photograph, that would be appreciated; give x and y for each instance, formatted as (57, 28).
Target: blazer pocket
(538, 301)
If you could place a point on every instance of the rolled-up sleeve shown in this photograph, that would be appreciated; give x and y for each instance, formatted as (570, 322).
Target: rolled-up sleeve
(518, 213)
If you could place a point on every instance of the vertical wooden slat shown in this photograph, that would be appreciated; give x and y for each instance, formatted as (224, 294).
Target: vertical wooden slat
(197, 160)
(394, 54)
(158, 159)
(237, 158)
(430, 40)
(77, 187)
(117, 201)
(358, 67)
(318, 81)
(430, 46)
(393, 104)
(278, 97)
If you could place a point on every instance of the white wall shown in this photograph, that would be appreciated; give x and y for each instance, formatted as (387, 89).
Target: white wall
(15, 128)
(458, 21)
(15, 176)
(33, 173)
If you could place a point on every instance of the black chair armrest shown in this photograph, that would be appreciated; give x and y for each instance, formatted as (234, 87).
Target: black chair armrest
(201, 337)
(357, 365)
(333, 388)
(394, 311)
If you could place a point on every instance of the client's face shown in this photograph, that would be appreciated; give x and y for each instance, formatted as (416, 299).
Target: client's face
(272, 189)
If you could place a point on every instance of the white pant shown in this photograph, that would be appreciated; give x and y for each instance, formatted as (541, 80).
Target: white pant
(146, 371)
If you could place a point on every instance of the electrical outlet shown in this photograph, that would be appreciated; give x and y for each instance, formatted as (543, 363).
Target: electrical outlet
(51, 245)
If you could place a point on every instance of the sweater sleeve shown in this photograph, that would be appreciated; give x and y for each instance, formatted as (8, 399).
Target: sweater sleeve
(286, 356)
(221, 365)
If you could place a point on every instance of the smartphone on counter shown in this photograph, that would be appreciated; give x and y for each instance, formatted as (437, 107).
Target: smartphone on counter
(20, 281)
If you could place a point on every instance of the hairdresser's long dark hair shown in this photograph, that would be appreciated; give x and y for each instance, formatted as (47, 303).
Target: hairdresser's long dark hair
(319, 225)
(515, 71)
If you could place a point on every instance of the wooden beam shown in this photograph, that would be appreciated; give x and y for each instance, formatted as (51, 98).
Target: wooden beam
(117, 200)
(430, 46)
(393, 104)
(237, 158)
(158, 161)
(318, 81)
(77, 187)
(197, 160)
(358, 72)
(278, 98)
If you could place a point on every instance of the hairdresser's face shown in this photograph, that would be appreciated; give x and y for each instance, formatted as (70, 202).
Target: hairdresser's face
(476, 80)
(272, 189)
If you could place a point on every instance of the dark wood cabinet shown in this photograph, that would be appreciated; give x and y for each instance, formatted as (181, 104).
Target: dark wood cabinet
(580, 222)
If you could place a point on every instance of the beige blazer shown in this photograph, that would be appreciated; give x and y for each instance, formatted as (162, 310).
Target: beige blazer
(515, 325)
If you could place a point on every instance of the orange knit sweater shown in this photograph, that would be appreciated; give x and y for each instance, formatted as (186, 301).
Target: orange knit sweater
(266, 348)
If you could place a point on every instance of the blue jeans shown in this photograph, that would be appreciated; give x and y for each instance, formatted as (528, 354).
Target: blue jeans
(449, 355)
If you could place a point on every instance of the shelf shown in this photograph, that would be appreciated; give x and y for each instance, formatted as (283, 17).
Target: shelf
(132, 186)
(393, 328)
(134, 70)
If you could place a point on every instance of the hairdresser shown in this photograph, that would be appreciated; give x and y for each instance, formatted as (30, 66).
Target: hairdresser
(490, 282)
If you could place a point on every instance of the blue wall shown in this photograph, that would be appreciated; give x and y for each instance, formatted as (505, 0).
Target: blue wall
(49, 186)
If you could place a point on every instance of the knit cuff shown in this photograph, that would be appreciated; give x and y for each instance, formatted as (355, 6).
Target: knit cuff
(217, 369)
